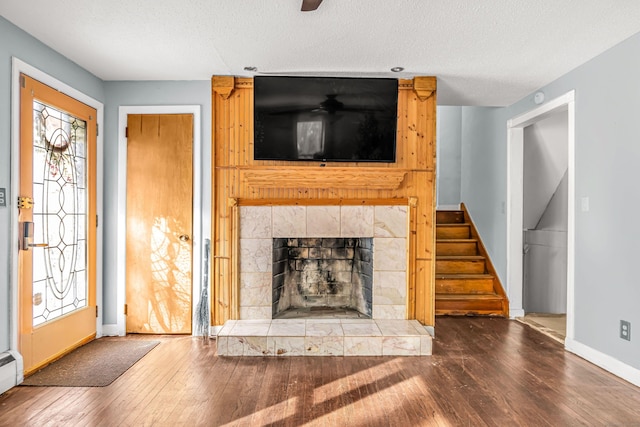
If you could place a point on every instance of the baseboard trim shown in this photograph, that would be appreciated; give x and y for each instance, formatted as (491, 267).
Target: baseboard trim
(516, 312)
(11, 367)
(606, 362)
(112, 330)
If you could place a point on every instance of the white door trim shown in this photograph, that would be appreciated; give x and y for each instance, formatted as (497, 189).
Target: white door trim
(198, 242)
(515, 141)
(18, 67)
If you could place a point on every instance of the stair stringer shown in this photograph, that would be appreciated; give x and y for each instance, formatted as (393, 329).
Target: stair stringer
(497, 285)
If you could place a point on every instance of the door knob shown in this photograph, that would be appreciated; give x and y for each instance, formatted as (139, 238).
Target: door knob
(184, 238)
(26, 237)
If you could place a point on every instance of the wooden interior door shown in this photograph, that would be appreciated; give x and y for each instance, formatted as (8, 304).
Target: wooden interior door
(57, 223)
(159, 223)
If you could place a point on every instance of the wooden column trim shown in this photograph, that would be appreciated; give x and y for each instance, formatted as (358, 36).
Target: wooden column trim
(234, 292)
(223, 85)
(424, 87)
(412, 204)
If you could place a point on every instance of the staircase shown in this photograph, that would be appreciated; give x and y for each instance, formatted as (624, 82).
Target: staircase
(466, 282)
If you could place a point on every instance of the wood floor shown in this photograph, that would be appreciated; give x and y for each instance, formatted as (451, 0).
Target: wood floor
(484, 371)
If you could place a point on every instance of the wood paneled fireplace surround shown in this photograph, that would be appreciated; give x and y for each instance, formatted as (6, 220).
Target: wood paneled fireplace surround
(379, 218)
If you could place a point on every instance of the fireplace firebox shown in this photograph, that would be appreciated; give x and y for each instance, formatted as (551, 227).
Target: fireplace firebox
(322, 274)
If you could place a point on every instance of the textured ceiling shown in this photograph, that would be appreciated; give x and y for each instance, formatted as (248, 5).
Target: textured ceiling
(490, 52)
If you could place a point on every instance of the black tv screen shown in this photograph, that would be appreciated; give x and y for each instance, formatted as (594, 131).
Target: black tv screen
(327, 119)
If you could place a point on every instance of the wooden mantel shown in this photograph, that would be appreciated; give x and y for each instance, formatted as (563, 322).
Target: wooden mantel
(236, 176)
(304, 177)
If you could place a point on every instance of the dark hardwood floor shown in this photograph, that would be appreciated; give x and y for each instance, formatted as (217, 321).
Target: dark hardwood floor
(484, 371)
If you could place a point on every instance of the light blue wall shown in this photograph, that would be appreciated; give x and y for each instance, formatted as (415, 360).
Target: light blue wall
(607, 102)
(449, 146)
(484, 178)
(145, 93)
(15, 42)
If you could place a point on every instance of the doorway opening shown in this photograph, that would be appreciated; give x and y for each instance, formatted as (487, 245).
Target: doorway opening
(545, 224)
(541, 221)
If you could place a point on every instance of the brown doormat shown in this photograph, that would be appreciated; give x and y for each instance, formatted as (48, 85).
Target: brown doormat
(96, 364)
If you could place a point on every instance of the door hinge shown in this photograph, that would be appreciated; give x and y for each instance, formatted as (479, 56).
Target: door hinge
(97, 221)
(126, 309)
(97, 129)
(126, 132)
(96, 311)
(23, 81)
(25, 203)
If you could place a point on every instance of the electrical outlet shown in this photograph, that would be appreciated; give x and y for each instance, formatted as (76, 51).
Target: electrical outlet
(625, 330)
(3, 197)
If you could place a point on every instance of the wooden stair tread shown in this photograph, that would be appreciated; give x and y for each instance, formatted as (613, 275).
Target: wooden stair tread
(456, 246)
(469, 305)
(454, 276)
(453, 231)
(449, 216)
(463, 284)
(492, 296)
(459, 257)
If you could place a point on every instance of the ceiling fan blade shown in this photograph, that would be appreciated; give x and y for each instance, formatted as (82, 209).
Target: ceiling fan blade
(310, 5)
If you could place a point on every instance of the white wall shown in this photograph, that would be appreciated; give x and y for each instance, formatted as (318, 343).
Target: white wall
(607, 101)
(545, 162)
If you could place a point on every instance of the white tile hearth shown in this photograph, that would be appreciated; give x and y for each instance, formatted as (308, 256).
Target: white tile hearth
(363, 346)
(323, 329)
(324, 337)
(381, 311)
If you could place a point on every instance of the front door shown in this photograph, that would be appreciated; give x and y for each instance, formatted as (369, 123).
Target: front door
(57, 224)
(159, 223)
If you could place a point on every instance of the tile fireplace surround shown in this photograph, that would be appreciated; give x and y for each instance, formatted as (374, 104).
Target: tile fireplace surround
(386, 333)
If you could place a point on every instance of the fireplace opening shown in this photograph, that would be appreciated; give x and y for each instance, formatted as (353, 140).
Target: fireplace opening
(322, 277)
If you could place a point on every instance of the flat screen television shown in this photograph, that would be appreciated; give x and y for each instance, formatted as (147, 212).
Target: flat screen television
(326, 119)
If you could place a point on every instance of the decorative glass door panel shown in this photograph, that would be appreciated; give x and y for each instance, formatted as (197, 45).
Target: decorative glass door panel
(59, 213)
(57, 223)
